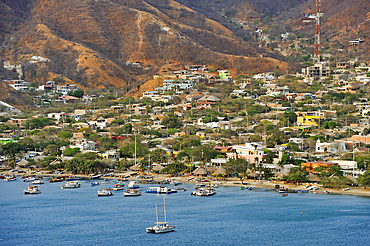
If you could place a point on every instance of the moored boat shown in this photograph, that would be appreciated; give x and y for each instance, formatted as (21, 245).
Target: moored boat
(105, 192)
(71, 185)
(29, 179)
(284, 194)
(208, 191)
(132, 192)
(118, 186)
(94, 183)
(161, 227)
(32, 190)
(95, 176)
(38, 181)
(10, 178)
(133, 185)
(160, 190)
(320, 192)
(58, 179)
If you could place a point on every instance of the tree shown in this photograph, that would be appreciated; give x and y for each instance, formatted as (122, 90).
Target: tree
(65, 134)
(129, 150)
(71, 151)
(296, 174)
(291, 116)
(364, 179)
(77, 93)
(10, 150)
(106, 143)
(172, 121)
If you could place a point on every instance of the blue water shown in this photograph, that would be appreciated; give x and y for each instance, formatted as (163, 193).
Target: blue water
(231, 217)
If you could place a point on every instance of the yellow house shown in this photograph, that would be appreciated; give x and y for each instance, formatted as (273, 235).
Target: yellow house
(309, 118)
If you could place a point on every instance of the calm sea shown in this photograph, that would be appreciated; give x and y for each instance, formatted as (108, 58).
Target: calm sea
(231, 217)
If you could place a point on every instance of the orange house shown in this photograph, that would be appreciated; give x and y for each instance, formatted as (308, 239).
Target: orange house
(311, 166)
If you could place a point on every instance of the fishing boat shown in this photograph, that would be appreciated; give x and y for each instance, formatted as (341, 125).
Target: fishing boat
(105, 192)
(174, 182)
(118, 186)
(244, 187)
(10, 178)
(29, 179)
(71, 185)
(320, 192)
(208, 191)
(133, 185)
(94, 183)
(161, 227)
(180, 188)
(38, 181)
(132, 192)
(160, 190)
(32, 190)
(95, 176)
(70, 178)
(58, 179)
(284, 194)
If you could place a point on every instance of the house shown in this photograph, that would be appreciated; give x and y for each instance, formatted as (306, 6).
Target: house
(311, 166)
(136, 109)
(9, 133)
(337, 147)
(224, 74)
(64, 89)
(239, 93)
(207, 101)
(17, 122)
(309, 118)
(318, 69)
(58, 116)
(84, 145)
(251, 152)
(4, 141)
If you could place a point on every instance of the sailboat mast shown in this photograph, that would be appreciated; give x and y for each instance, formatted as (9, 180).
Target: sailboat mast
(164, 200)
(156, 212)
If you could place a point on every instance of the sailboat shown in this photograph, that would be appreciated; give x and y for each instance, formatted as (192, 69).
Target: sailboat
(160, 227)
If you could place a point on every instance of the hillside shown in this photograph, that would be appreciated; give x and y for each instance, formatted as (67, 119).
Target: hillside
(91, 42)
(123, 43)
(19, 100)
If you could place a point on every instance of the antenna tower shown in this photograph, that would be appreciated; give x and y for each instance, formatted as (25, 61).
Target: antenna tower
(317, 31)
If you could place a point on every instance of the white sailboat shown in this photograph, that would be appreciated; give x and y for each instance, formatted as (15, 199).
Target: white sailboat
(160, 227)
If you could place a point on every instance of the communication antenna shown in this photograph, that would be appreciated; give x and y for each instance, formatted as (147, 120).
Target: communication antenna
(317, 16)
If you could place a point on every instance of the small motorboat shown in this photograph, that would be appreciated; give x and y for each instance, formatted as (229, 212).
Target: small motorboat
(118, 186)
(160, 190)
(105, 192)
(53, 180)
(208, 191)
(244, 187)
(180, 188)
(29, 179)
(32, 190)
(10, 178)
(38, 181)
(284, 194)
(95, 176)
(71, 185)
(133, 185)
(132, 192)
(94, 183)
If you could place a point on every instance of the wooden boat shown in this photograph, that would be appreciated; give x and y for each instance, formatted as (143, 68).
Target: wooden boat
(284, 194)
(105, 192)
(118, 186)
(58, 179)
(132, 192)
(320, 192)
(32, 190)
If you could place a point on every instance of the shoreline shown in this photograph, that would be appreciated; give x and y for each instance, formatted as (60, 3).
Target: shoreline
(263, 184)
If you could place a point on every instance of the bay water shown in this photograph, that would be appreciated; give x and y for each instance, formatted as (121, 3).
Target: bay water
(231, 217)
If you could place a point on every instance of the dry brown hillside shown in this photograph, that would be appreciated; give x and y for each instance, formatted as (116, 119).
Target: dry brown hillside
(90, 42)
